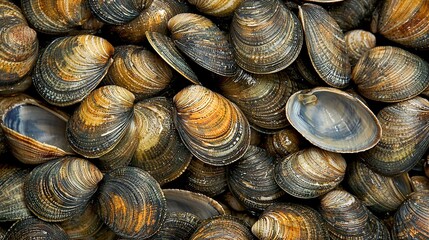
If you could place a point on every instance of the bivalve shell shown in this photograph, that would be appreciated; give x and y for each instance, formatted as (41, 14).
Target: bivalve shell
(33, 228)
(222, 227)
(118, 11)
(358, 42)
(351, 14)
(177, 226)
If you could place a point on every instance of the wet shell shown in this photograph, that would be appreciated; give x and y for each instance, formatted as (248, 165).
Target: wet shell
(390, 74)
(131, 203)
(160, 151)
(325, 45)
(420, 183)
(390, 193)
(33, 228)
(405, 137)
(211, 127)
(283, 142)
(202, 41)
(262, 45)
(217, 8)
(251, 180)
(83, 226)
(34, 131)
(348, 218)
(351, 14)
(60, 189)
(358, 42)
(214, 228)
(262, 98)
(71, 67)
(310, 173)
(333, 120)
(177, 226)
(118, 11)
(138, 70)
(289, 221)
(18, 48)
(405, 22)
(412, 218)
(101, 121)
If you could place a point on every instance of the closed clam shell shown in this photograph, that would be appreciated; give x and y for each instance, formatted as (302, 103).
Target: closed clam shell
(33, 228)
(405, 22)
(390, 74)
(251, 180)
(71, 67)
(347, 218)
(138, 70)
(131, 203)
(160, 150)
(310, 173)
(59, 189)
(351, 14)
(203, 42)
(391, 191)
(177, 226)
(325, 45)
(262, 98)
(333, 120)
(217, 8)
(85, 225)
(214, 228)
(261, 45)
(412, 218)
(405, 137)
(358, 42)
(211, 127)
(33, 130)
(288, 221)
(118, 11)
(283, 142)
(101, 121)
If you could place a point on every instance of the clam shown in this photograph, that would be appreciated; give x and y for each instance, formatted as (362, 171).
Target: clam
(390, 74)
(325, 45)
(351, 14)
(60, 189)
(33, 228)
(18, 49)
(358, 42)
(412, 218)
(261, 45)
(71, 67)
(288, 221)
(232, 202)
(85, 225)
(138, 70)
(177, 226)
(214, 228)
(283, 142)
(405, 137)
(118, 12)
(217, 8)
(420, 183)
(251, 180)
(131, 203)
(333, 120)
(211, 127)
(202, 41)
(310, 173)
(33, 130)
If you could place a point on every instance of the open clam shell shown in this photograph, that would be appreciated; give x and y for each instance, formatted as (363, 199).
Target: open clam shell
(333, 120)
(118, 11)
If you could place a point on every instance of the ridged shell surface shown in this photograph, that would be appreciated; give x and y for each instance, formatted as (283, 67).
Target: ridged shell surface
(358, 42)
(214, 228)
(283, 142)
(351, 14)
(33, 228)
(217, 8)
(177, 226)
(84, 225)
(118, 11)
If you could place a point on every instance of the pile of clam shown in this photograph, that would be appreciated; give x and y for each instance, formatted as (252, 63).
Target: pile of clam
(214, 119)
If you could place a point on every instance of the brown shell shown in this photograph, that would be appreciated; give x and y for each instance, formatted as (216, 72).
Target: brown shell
(358, 42)
(177, 226)
(222, 227)
(351, 14)
(217, 8)
(420, 183)
(283, 142)
(33, 228)
(85, 225)
(118, 11)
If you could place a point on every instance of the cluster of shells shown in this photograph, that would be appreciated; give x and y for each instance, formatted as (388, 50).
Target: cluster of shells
(214, 119)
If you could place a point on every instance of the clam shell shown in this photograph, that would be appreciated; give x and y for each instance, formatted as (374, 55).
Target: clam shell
(57, 190)
(283, 142)
(211, 127)
(131, 203)
(71, 67)
(358, 42)
(217, 8)
(351, 14)
(333, 120)
(214, 228)
(33, 228)
(390, 74)
(325, 45)
(261, 45)
(118, 11)
(177, 226)
(420, 183)
(426, 166)
(83, 226)
(202, 41)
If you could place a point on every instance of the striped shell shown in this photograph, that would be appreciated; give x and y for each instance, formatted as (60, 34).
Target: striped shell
(118, 11)
(217, 8)
(214, 228)
(33, 228)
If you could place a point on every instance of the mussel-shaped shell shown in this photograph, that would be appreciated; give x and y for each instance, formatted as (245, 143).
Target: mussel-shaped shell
(325, 45)
(160, 150)
(351, 14)
(57, 190)
(251, 179)
(358, 42)
(211, 127)
(71, 67)
(390, 74)
(262, 45)
(217, 8)
(348, 218)
(34, 132)
(177, 226)
(131, 203)
(310, 173)
(289, 221)
(283, 142)
(333, 120)
(118, 11)
(202, 41)
(33, 228)
(138, 70)
(222, 227)
(262, 98)
(101, 121)
(405, 22)
(412, 218)
(405, 137)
